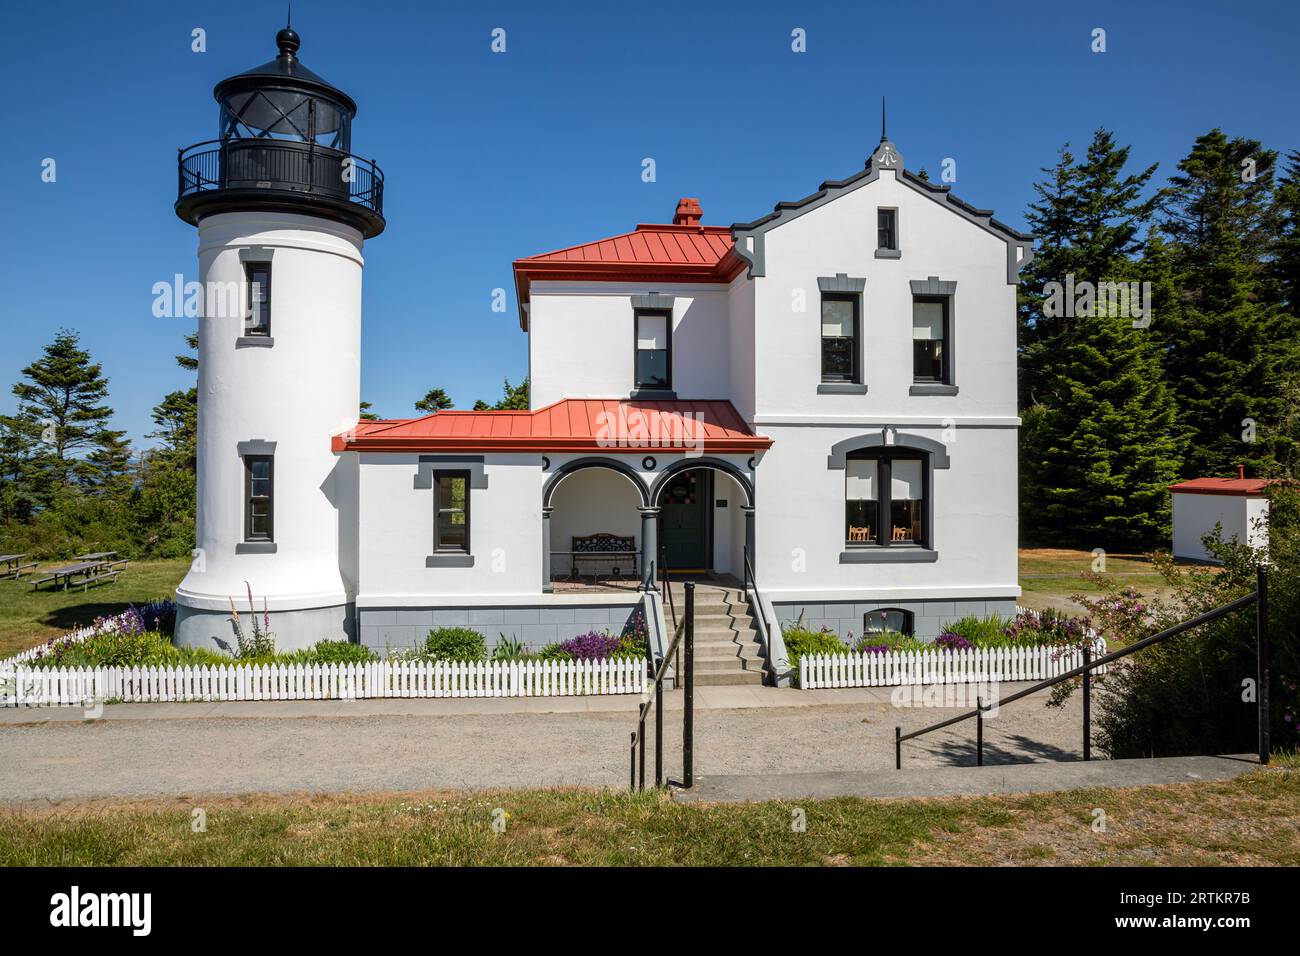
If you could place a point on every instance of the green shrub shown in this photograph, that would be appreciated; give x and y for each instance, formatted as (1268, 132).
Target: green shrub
(988, 631)
(455, 644)
(509, 648)
(800, 641)
(337, 652)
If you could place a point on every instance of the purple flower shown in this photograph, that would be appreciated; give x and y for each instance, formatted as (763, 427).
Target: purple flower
(593, 646)
(949, 641)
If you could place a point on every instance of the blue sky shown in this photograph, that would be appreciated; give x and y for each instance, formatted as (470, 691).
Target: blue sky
(489, 157)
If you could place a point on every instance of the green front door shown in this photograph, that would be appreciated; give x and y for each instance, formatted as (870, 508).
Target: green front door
(684, 512)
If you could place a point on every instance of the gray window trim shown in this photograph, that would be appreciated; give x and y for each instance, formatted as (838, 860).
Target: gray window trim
(255, 342)
(478, 479)
(841, 388)
(255, 547)
(895, 555)
(931, 388)
(845, 288)
(839, 451)
(449, 559)
(896, 250)
(652, 300)
(841, 282)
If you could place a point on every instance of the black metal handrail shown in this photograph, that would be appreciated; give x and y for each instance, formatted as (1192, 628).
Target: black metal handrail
(285, 165)
(1257, 597)
(760, 616)
(683, 634)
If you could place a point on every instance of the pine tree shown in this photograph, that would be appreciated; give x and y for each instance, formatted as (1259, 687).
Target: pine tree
(436, 400)
(514, 398)
(1229, 343)
(62, 416)
(1099, 441)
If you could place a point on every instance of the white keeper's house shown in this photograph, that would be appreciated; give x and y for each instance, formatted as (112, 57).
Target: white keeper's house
(830, 389)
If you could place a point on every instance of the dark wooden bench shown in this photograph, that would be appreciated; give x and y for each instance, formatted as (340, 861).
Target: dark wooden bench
(603, 549)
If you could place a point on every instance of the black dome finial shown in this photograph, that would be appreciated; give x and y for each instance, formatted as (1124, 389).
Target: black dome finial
(287, 40)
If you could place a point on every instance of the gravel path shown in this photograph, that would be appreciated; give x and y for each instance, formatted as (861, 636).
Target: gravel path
(131, 758)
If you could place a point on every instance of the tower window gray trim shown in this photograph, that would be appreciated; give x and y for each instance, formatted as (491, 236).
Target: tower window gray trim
(257, 302)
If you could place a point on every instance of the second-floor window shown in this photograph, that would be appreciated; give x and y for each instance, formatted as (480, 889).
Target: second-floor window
(887, 229)
(654, 349)
(259, 499)
(930, 336)
(840, 344)
(257, 312)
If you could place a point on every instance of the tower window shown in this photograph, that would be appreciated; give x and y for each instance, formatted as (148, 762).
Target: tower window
(259, 497)
(654, 349)
(451, 511)
(257, 313)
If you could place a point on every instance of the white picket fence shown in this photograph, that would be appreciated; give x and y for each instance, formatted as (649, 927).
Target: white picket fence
(53, 687)
(974, 665)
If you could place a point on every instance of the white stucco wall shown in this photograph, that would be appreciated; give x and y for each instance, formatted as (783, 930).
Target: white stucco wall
(841, 237)
(1243, 518)
(397, 532)
(581, 344)
(297, 393)
(800, 521)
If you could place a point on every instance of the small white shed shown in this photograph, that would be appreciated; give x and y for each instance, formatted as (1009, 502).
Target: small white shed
(1238, 504)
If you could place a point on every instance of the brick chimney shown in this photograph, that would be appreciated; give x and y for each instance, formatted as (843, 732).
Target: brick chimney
(1241, 472)
(688, 212)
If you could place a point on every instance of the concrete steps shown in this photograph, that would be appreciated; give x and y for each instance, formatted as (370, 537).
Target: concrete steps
(727, 651)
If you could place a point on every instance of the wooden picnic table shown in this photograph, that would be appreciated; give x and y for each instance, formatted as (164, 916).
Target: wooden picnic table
(89, 573)
(13, 566)
(95, 556)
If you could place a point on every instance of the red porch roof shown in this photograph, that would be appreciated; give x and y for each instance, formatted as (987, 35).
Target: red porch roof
(599, 426)
(1243, 487)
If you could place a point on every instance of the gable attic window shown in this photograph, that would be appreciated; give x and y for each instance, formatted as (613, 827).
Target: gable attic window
(887, 233)
(654, 349)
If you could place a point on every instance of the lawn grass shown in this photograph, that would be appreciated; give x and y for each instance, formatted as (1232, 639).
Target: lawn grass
(28, 617)
(1253, 820)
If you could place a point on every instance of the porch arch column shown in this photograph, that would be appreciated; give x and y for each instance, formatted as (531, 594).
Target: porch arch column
(649, 538)
(748, 512)
(546, 550)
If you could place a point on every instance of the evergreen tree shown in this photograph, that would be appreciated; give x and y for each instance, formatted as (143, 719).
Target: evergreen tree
(62, 418)
(514, 398)
(1099, 442)
(1228, 342)
(436, 400)
(365, 414)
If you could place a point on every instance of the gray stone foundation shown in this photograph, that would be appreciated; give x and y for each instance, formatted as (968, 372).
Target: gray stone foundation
(293, 630)
(928, 619)
(535, 625)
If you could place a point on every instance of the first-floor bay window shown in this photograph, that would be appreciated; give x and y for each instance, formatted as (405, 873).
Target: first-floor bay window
(885, 495)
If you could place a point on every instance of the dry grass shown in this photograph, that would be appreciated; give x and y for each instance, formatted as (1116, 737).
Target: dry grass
(1253, 821)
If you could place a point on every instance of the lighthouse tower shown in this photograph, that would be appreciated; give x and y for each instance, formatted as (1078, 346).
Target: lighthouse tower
(282, 209)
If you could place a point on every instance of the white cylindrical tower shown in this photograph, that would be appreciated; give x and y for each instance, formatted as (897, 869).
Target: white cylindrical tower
(282, 210)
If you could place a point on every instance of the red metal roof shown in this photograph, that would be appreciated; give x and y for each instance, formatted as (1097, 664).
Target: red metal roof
(602, 426)
(682, 251)
(1243, 487)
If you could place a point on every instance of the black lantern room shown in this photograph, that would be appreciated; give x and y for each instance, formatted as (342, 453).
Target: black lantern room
(285, 144)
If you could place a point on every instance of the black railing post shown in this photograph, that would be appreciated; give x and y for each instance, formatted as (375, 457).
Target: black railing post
(659, 730)
(1087, 702)
(746, 573)
(631, 784)
(1261, 661)
(688, 715)
(898, 747)
(979, 732)
(641, 738)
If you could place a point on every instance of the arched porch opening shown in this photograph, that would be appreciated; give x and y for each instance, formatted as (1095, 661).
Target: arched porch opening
(594, 526)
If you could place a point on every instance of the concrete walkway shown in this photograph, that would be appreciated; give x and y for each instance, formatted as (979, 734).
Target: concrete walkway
(188, 750)
(966, 781)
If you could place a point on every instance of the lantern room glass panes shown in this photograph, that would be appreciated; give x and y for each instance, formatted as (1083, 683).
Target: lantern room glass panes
(286, 114)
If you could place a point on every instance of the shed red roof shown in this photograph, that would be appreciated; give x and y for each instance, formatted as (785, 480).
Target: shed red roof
(1223, 486)
(602, 426)
(681, 251)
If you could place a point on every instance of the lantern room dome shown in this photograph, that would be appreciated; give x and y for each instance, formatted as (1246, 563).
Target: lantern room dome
(284, 143)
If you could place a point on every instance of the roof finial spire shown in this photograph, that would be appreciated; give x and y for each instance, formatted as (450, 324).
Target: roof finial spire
(883, 137)
(287, 40)
(288, 17)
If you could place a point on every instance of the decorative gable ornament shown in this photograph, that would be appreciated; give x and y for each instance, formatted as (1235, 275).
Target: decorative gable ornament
(886, 156)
